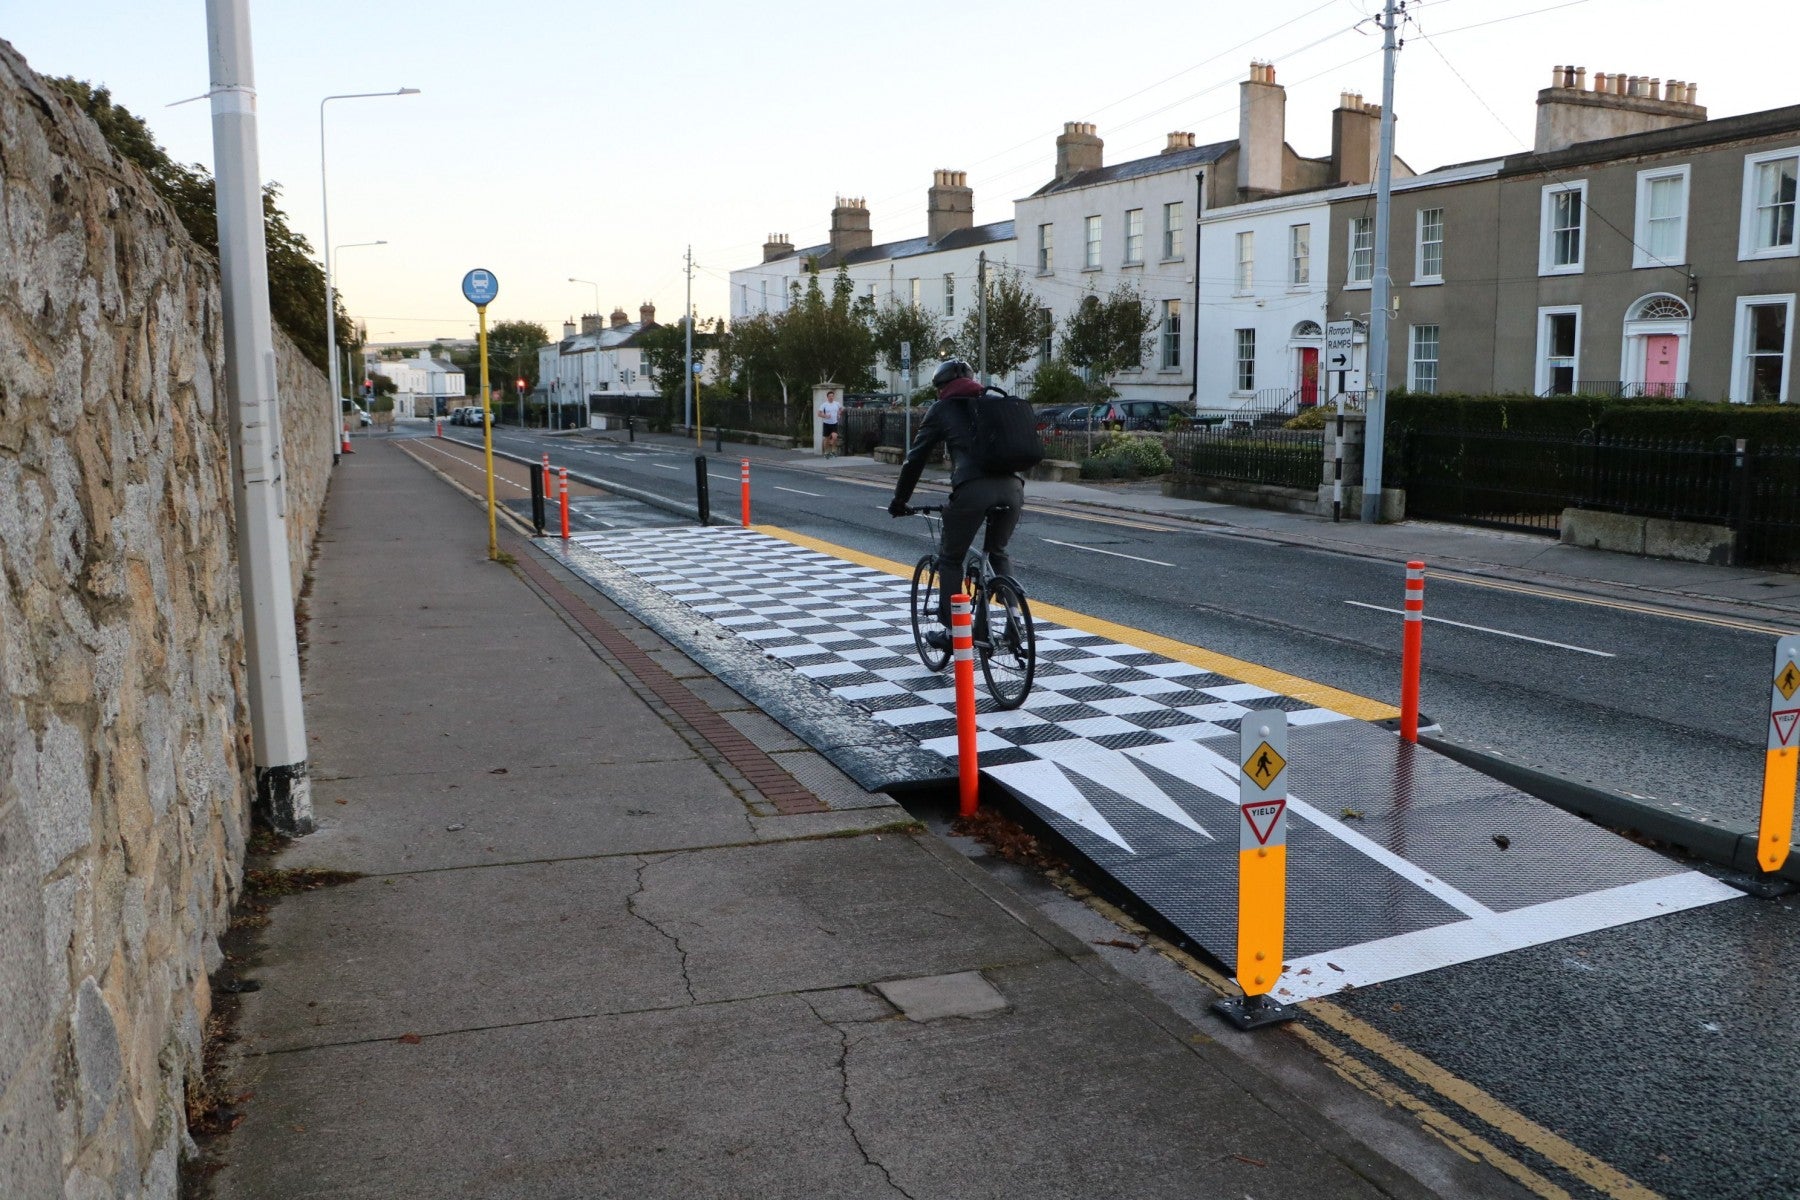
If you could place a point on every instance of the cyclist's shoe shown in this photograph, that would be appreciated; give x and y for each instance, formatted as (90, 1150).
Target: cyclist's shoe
(938, 639)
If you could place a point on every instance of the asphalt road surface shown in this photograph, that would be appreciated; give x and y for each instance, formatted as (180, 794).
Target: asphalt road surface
(1667, 1048)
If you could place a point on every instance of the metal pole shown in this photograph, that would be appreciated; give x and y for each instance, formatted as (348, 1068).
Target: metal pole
(337, 402)
(1194, 316)
(981, 314)
(265, 577)
(687, 366)
(1375, 407)
(487, 439)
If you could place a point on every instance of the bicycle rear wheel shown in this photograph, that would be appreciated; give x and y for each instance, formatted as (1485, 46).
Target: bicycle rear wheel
(1008, 643)
(925, 613)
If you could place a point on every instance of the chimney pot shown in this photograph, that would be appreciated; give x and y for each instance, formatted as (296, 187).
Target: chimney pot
(1078, 149)
(1581, 78)
(647, 313)
(949, 205)
(1556, 75)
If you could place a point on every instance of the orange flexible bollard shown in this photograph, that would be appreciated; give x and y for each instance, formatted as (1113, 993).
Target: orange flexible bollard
(440, 429)
(347, 449)
(562, 487)
(1411, 651)
(962, 643)
(547, 488)
(744, 488)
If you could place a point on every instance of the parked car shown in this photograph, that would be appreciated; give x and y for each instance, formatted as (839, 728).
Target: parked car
(872, 399)
(355, 412)
(1153, 415)
(1051, 416)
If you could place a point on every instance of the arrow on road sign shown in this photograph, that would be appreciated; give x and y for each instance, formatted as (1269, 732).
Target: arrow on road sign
(1784, 723)
(1262, 818)
(1338, 360)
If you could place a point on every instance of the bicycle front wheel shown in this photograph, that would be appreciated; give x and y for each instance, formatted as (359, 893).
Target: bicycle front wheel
(1008, 650)
(925, 613)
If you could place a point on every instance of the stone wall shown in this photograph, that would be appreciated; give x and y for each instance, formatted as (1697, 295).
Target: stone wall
(124, 750)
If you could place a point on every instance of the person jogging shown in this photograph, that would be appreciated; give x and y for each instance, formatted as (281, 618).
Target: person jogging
(830, 413)
(980, 482)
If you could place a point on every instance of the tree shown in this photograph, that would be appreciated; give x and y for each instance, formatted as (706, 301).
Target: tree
(1016, 321)
(515, 344)
(756, 349)
(896, 322)
(1104, 336)
(296, 279)
(828, 339)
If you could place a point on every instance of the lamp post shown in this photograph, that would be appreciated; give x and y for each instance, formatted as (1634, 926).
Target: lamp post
(331, 260)
(337, 398)
(584, 388)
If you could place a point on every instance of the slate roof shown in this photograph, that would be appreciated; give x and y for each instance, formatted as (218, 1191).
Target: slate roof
(1137, 168)
(959, 239)
(614, 337)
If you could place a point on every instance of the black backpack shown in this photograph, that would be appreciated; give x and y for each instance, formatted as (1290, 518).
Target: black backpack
(1006, 436)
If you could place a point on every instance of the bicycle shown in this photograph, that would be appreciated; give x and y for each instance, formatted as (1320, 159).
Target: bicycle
(1005, 639)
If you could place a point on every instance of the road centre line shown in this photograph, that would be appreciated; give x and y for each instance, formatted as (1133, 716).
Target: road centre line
(1155, 562)
(666, 466)
(1651, 610)
(1484, 629)
(799, 491)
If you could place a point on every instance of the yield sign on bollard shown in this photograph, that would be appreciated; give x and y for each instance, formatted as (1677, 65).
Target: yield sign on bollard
(1781, 766)
(1262, 870)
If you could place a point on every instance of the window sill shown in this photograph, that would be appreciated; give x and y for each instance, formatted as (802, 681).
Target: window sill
(1177, 259)
(1547, 271)
(1655, 263)
(1776, 252)
(1175, 370)
(1296, 288)
(1138, 265)
(1364, 286)
(1045, 274)
(1437, 281)
(1091, 270)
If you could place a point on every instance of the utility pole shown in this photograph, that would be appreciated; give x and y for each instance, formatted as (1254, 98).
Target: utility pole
(1375, 408)
(265, 577)
(981, 314)
(687, 365)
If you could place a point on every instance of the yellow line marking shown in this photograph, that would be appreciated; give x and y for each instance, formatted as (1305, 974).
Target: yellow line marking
(1597, 1174)
(1317, 694)
(1652, 610)
(1457, 1136)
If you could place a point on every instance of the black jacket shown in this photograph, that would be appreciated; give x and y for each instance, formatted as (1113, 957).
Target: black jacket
(950, 420)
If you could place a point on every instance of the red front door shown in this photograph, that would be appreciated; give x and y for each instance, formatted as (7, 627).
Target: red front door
(1660, 353)
(1309, 376)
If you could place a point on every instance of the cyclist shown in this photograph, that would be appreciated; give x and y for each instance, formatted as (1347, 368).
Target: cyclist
(973, 490)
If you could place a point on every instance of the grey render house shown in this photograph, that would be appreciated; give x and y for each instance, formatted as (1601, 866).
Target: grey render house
(1638, 249)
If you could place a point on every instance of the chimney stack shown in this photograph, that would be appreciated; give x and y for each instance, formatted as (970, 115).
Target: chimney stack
(590, 323)
(568, 329)
(850, 228)
(618, 318)
(1179, 142)
(1355, 139)
(1617, 105)
(1078, 149)
(1262, 132)
(776, 247)
(647, 313)
(949, 205)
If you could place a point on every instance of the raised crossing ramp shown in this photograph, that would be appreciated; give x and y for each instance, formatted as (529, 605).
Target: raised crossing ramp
(1399, 860)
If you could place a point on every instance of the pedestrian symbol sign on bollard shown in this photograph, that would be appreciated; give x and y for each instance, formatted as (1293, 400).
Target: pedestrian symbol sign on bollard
(1262, 870)
(1781, 764)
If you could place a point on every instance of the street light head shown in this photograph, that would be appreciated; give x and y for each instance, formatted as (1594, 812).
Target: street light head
(407, 92)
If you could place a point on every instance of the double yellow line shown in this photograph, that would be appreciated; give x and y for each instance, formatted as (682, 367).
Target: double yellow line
(1650, 610)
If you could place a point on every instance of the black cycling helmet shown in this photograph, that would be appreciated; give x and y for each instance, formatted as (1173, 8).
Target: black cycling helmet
(954, 368)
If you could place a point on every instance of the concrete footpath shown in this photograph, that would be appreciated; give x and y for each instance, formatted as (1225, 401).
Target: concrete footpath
(615, 935)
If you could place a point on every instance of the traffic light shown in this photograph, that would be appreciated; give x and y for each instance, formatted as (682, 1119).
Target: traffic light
(521, 385)
(368, 389)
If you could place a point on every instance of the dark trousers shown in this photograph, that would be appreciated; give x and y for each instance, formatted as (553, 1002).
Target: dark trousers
(968, 508)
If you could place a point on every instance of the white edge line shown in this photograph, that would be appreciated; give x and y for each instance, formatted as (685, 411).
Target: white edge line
(1155, 562)
(1409, 871)
(797, 491)
(666, 466)
(1465, 941)
(1484, 629)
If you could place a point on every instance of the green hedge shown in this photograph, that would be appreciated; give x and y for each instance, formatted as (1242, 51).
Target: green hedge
(1568, 416)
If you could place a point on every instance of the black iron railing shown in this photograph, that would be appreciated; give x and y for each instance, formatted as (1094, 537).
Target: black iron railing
(1249, 454)
(1525, 481)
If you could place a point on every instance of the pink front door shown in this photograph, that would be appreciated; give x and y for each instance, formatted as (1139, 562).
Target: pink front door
(1660, 353)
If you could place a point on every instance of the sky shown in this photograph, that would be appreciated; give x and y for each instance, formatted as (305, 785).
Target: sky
(599, 140)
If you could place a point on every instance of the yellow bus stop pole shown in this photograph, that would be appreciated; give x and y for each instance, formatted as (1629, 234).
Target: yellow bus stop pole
(1781, 764)
(487, 433)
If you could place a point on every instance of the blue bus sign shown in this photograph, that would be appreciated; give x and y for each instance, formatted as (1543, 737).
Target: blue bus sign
(480, 287)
